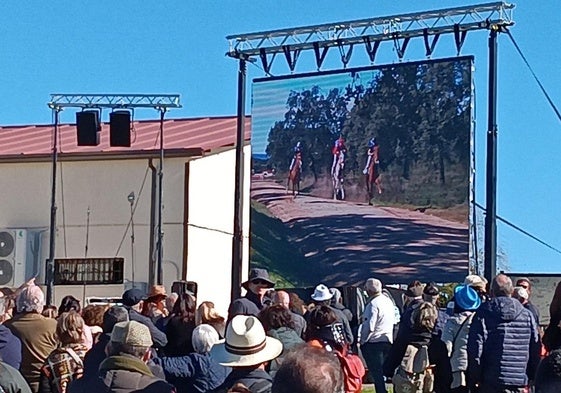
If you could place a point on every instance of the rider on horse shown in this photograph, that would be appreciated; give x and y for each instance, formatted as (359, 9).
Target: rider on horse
(372, 154)
(337, 149)
(297, 156)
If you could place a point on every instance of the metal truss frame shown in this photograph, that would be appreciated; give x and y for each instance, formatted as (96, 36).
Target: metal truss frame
(495, 17)
(156, 101)
(59, 101)
(370, 33)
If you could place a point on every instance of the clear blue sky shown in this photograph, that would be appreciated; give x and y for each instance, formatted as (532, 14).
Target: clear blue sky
(178, 46)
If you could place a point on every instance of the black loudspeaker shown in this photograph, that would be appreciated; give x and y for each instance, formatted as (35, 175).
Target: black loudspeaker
(180, 287)
(120, 128)
(88, 127)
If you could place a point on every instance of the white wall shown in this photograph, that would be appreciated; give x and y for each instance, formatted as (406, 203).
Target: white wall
(103, 186)
(211, 220)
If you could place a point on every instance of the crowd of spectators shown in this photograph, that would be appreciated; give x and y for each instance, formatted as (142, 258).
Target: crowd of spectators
(485, 339)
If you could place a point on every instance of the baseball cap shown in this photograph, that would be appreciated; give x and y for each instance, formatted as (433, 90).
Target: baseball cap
(133, 296)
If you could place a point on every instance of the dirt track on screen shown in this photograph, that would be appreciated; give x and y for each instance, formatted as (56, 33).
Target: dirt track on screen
(343, 243)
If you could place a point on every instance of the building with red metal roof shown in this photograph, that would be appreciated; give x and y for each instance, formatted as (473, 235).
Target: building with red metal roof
(95, 218)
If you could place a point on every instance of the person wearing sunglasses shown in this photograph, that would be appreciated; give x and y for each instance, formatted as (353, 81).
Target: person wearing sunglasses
(255, 299)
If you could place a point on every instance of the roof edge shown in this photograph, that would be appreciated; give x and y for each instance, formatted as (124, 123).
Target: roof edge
(191, 152)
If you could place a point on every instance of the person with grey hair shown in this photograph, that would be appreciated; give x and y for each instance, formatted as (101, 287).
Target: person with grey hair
(376, 331)
(337, 302)
(125, 370)
(10, 345)
(310, 370)
(503, 343)
(36, 332)
(198, 371)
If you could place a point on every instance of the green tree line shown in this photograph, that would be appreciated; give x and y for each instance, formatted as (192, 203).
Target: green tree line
(419, 113)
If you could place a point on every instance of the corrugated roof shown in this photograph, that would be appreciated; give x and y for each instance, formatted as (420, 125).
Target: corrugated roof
(193, 136)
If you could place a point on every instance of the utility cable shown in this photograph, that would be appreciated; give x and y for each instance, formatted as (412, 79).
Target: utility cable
(516, 227)
(551, 103)
(136, 202)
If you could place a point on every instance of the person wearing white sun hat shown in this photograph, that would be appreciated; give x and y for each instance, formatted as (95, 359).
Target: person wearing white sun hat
(322, 296)
(247, 350)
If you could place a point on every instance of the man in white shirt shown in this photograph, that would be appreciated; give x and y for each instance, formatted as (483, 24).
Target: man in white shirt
(376, 331)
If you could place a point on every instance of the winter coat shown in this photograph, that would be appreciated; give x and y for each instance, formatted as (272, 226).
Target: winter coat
(10, 347)
(96, 355)
(179, 332)
(503, 344)
(340, 318)
(11, 381)
(256, 380)
(250, 304)
(289, 339)
(193, 373)
(121, 374)
(455, 336)
(300, 324)
(38, 340)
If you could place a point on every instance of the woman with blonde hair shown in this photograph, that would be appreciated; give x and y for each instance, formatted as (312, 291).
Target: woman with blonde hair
(66, 362)
(207, 314)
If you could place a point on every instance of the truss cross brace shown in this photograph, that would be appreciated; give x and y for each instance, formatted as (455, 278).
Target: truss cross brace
(370, 32)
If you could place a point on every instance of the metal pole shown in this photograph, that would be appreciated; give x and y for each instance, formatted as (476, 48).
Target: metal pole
(491, 173)
(160, 199)
(131, 201)
(237, 239)
(50, 267)
(151, 254)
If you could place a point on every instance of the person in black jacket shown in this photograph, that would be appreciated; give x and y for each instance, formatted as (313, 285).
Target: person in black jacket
(255, 299)
(503, 343)
(133, 301)
(548, 376)
(419, 333)
(179, 326)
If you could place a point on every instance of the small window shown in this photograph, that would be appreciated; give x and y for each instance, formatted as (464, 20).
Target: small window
(79, 271)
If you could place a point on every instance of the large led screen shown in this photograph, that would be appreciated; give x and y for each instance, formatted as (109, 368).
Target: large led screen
(363, 173)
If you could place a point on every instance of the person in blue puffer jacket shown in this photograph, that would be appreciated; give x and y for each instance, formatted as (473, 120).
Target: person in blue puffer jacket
(197, 371)
(503, 344)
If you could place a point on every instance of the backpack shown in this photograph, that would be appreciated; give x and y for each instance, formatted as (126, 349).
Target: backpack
(353, 371)
(351, 365)
(415, 373)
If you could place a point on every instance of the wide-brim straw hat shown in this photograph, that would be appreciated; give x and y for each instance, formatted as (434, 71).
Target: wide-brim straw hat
(245, 344)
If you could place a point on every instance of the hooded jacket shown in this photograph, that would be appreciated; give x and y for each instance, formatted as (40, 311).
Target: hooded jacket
(503, 344)
(121, 374)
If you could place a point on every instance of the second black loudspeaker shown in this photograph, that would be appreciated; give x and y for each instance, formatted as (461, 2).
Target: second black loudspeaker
(120, 128)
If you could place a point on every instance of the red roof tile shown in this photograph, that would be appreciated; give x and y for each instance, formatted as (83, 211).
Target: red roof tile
(202, 135)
